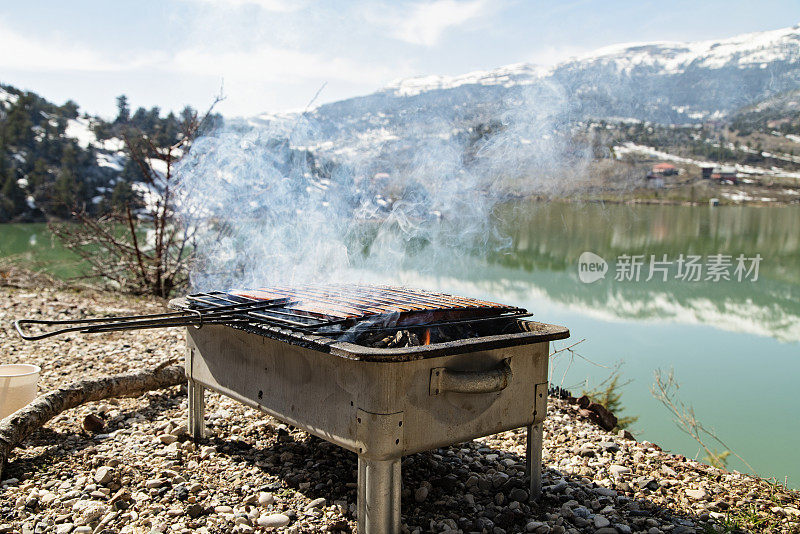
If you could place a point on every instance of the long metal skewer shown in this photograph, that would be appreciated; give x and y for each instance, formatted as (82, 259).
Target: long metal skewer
(233, 313)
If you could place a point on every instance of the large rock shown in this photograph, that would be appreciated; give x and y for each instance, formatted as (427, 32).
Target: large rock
(602, 417)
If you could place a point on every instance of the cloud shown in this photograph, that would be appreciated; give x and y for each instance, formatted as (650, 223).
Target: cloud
(278, 6)
(29, 54)
(273, 64)
(427, 22)
(264, 63)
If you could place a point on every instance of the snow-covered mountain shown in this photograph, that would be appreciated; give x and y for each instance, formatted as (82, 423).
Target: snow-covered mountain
(665, 82)
(668, 82)
(684, 82)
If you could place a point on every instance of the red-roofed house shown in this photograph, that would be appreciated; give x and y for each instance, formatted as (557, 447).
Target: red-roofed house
(665, 169)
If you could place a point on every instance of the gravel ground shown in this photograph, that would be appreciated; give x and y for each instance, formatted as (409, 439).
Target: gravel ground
(140, 473)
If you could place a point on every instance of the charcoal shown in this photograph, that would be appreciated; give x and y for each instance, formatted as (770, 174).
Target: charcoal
(400, 339)
(383, 342)
(416, 336)
(371, 339)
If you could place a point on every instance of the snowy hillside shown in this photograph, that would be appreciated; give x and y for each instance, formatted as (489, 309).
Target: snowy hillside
(751, 49)
(664, 82)
(660, 81)
(109, 152)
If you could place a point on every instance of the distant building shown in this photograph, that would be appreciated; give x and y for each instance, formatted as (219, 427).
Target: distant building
(664, 169)
(724, 174)
(707, 171)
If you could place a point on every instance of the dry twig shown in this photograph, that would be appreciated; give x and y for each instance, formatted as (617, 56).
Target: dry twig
(141, 249)
(665, 391)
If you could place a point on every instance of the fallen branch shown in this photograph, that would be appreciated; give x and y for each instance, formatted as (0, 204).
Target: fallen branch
(18, 426)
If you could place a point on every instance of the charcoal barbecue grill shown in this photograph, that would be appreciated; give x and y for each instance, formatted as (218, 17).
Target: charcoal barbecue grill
(306, 355)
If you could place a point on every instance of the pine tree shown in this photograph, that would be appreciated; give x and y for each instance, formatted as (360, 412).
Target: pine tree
(123, 196)
(123, 111)
(65, 194)
(38, 179)
(12, 198)
(70, 109)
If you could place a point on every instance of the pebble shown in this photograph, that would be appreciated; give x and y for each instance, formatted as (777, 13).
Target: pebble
(696, 494)
(647, 482)
(64, 528)
(421, 494)
(609, 446)
(194, 510)
(600, 521)
(104, 475)
(518, 494)
(581, 511)
(605, 492)
(316, 503)
(88, 511)
(167, 439)
(537, 526)
(273, 520)
(93, 424)
(265, 498)
(670, 472)
(618, 470)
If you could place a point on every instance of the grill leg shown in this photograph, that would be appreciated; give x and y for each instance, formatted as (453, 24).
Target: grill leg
(533, 460)
(378, 496)
(197, 409)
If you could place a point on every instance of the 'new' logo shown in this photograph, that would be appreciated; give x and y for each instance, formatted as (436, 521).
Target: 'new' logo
(591, 267)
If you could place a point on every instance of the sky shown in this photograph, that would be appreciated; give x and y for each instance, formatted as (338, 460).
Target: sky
(276, 55)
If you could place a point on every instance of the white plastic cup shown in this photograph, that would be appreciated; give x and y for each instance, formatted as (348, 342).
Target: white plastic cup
(18, 385)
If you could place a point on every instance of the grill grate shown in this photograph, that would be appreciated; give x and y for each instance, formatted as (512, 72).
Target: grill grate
(336, 308)
(309, 309)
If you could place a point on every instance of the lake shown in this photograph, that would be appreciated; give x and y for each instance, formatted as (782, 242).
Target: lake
(734, 345)
(33, 246)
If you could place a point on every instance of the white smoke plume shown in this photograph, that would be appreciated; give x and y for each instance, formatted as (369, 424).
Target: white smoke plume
(321, 197)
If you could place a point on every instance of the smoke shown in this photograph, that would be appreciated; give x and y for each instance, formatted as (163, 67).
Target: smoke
(375, 188)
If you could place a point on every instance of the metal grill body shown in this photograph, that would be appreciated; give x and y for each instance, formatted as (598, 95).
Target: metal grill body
(381, 404)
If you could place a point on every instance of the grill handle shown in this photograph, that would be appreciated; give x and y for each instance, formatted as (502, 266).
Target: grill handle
(493, 380)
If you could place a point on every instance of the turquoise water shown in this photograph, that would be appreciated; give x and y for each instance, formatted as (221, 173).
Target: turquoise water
(734, 346)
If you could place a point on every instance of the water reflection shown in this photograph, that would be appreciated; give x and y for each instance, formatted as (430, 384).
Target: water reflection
(549, 238)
